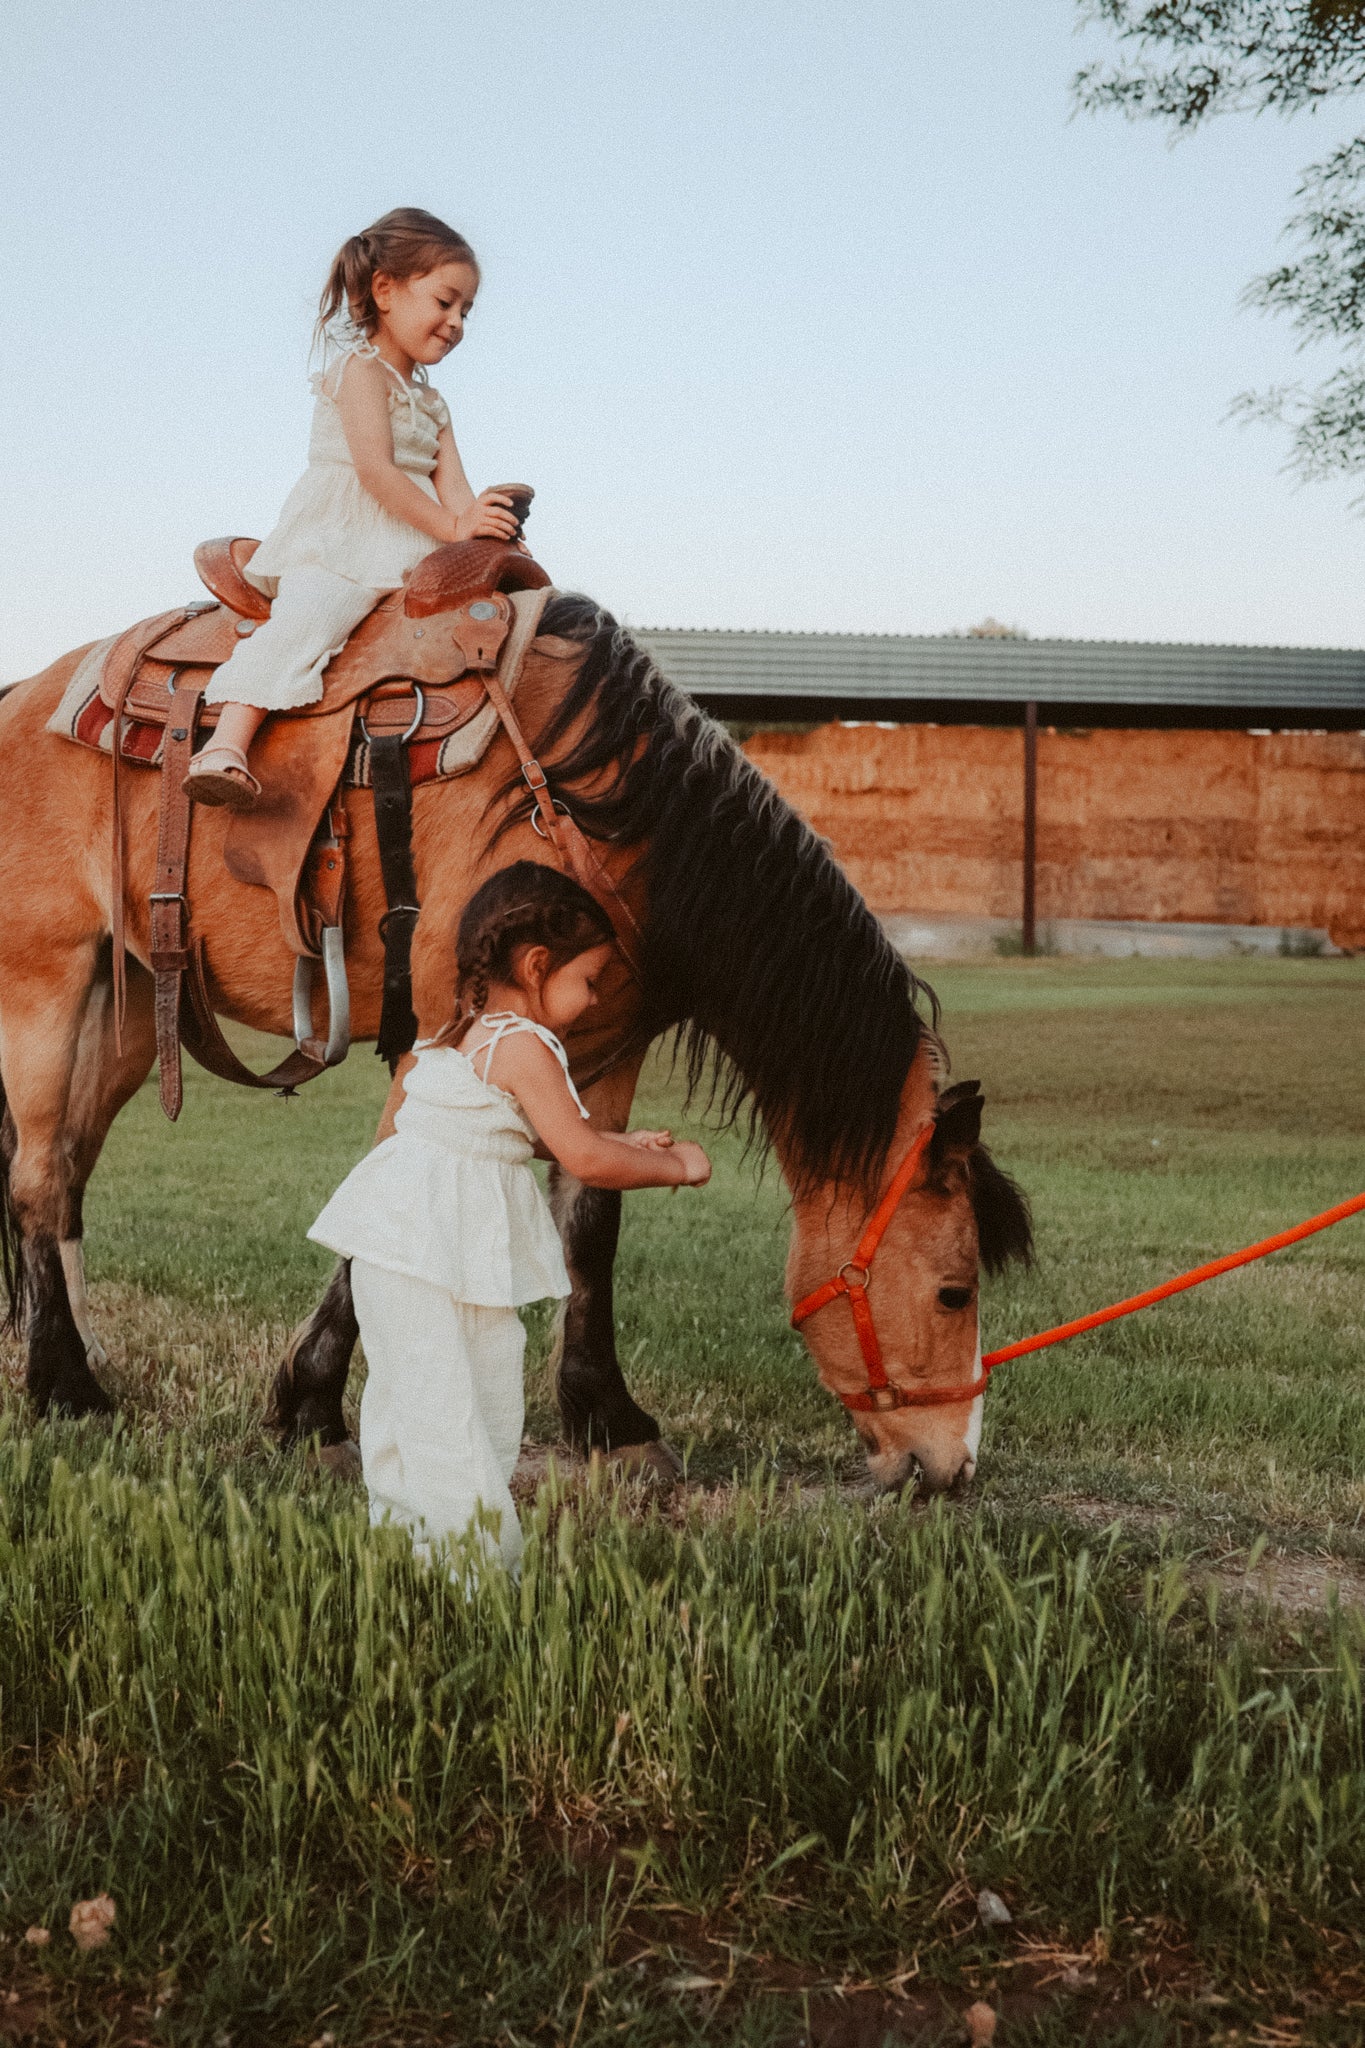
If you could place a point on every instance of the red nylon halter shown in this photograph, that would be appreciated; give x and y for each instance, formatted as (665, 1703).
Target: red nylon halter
(880, 1393)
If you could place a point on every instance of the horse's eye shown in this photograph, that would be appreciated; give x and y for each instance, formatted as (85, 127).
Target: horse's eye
(954, 1297)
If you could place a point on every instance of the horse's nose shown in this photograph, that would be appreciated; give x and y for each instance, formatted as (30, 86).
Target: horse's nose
(894, 1470)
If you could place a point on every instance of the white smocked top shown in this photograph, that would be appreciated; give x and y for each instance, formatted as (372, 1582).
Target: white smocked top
(329, 519)
(450, 1198)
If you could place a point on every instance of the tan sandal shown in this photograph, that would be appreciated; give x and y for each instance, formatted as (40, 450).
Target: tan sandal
(233, 786)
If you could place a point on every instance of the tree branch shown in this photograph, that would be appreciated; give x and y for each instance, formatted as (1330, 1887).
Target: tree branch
(1226, 56)
(1195, 58)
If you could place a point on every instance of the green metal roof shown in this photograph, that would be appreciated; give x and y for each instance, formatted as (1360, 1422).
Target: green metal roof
(861, 675)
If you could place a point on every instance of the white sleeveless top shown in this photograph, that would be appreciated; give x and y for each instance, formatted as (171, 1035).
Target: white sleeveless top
(329, 519)
(450, 1198)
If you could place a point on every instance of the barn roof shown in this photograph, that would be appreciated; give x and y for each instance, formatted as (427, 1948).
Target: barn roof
(963, 679)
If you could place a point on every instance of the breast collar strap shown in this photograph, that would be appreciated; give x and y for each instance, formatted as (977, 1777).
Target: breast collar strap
(853, 1278)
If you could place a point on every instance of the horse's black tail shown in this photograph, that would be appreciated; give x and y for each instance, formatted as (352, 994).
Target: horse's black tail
(11, 1237)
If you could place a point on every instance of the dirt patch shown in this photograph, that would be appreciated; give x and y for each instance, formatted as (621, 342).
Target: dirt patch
(1092, 1511)
(1297, 1584)
(703, 1963)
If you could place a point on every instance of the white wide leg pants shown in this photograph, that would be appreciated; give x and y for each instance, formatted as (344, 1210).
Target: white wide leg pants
(280, 665)
(442, 1411)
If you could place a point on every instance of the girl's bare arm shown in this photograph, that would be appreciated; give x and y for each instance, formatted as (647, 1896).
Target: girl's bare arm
(453, 487)
(600, 1159)
(363, 403)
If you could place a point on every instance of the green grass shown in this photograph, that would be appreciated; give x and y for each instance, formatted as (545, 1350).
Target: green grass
(707, 1763)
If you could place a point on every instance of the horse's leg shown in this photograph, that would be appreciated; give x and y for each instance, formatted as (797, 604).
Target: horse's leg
(305, 1400)
(43, 1018)
(102, 1082)
(595, 1404)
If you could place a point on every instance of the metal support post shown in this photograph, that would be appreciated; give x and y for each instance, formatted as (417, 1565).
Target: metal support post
(1030, 933)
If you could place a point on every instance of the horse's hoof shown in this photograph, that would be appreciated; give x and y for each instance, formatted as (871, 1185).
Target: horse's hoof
(339, 1461)
(656, 1464)
(95, 1354)
(77, 1400)
(293, 1421)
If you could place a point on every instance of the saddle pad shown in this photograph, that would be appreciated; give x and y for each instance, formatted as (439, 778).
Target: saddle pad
(84, 716)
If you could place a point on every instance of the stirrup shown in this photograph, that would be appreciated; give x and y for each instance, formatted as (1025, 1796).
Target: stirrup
(218, 786)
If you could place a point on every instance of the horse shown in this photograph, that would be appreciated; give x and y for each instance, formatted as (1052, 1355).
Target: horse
(778, 984)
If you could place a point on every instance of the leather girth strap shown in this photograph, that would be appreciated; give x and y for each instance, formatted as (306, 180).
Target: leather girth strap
(184, 1013)
(125, 657)
(393, 830)
(178, 965)
(392, 784)
(202, 1037)
(169, 909)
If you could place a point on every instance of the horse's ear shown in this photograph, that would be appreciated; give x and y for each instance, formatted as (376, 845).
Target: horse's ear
(957, 1122)
(1004, 1227)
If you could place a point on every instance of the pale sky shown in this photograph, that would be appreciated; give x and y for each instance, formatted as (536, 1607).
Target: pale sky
(823, 315)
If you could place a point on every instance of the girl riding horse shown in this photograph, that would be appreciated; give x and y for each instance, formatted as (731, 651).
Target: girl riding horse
(384, 484)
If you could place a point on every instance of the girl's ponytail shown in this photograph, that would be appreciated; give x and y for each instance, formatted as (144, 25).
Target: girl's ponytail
(408, 242)
(347, 289)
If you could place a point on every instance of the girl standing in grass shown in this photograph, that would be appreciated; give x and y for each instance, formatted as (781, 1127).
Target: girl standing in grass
(383, 487)
(444, 1223)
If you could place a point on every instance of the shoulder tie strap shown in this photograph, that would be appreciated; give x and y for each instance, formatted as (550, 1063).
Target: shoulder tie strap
(408, 390)
(365, 350)
(505, 1023)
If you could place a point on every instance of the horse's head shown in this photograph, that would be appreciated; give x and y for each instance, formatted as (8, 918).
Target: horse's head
(959, 1212)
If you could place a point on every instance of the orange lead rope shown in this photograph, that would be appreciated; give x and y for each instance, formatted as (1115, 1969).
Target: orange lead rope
(1176, 1286)
(854, 1275)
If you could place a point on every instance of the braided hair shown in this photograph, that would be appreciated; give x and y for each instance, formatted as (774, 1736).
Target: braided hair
(525, 904)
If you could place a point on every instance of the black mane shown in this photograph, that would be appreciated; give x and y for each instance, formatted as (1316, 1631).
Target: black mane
(781, 983)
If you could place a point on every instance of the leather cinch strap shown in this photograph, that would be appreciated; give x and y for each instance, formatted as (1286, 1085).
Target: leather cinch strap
(124, 659)
(393, 829)
(184, 1012)
(169, 909)
(202, 1038)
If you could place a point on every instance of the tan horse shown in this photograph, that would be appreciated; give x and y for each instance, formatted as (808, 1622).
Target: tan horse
(756, 948)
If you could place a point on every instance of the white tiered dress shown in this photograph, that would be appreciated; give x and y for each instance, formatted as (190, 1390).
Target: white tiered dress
(447, 1233)
(335, 550)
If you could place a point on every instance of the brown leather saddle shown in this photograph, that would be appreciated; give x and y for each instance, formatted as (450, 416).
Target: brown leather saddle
(425, 662)
(443, 632)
